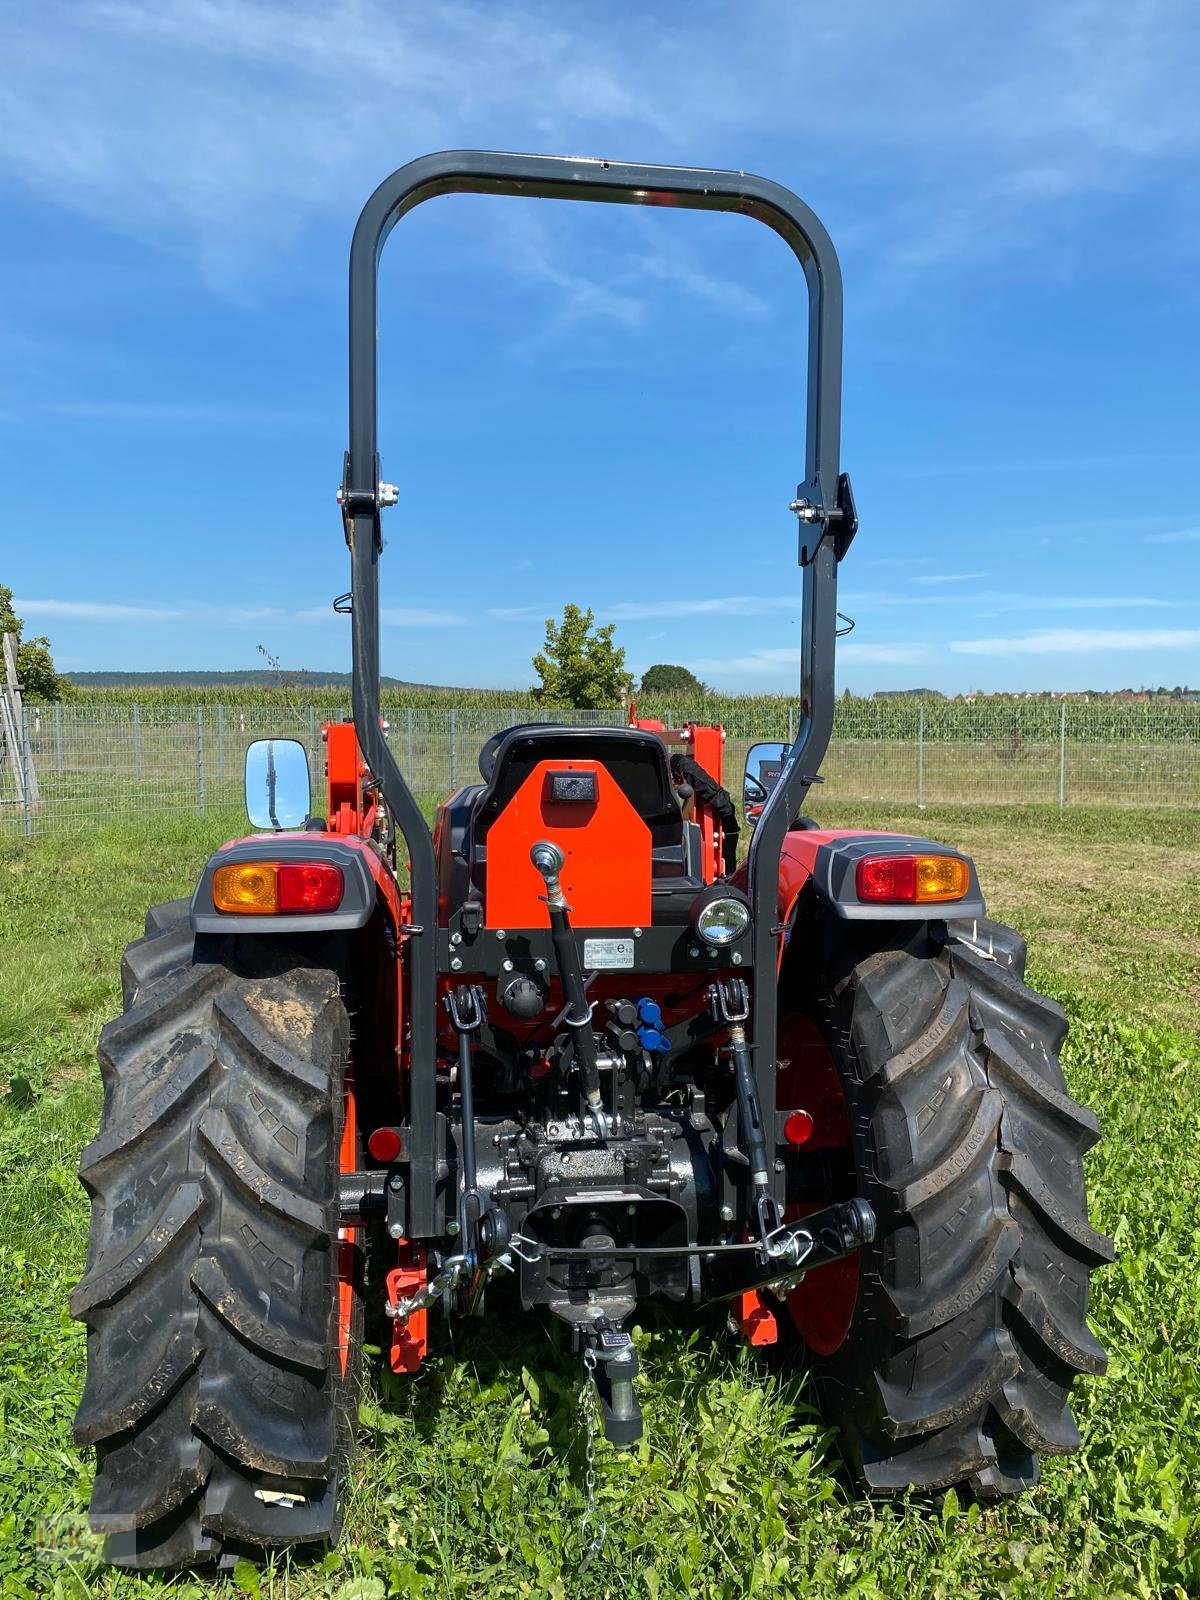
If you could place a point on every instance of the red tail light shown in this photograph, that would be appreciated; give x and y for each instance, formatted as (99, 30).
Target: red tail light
(309, 886)
(908, 879)
(887, 878)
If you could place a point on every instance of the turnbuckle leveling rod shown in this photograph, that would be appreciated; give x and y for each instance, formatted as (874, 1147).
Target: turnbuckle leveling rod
(730, 1004)
(466, 1007)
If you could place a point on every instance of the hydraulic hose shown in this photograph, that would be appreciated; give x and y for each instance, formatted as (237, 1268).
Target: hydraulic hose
(549, 860)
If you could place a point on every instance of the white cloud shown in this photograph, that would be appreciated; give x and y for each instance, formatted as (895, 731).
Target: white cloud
(751, 662)
(1081, 641)
(1079, 602)
(949, 577)
(722, 292)
(419, 617)
(218, 616)
(994, 600)
(896, 561)
(1006, 467)
(119, 611)
(656, 610)
(223, 127)
(91, 611)
(1179, 536)
(771, 660)
(519, 613)
(725, 605)
(529, 252)
(189, 413)
(879, 655)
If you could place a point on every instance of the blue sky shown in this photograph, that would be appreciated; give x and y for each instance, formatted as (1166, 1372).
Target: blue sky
(592, 403)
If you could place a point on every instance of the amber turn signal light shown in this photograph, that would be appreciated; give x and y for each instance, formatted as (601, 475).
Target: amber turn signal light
(246, 886)
(906, 880)
(265, 888)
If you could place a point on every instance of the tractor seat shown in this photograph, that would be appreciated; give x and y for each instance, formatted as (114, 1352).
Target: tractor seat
(636, 760)
(487, 753)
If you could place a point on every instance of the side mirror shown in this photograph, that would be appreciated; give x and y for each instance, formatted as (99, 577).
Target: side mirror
(764, 765)
(277, 784)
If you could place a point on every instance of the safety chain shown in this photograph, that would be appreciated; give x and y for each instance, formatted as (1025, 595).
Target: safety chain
(593, 1525)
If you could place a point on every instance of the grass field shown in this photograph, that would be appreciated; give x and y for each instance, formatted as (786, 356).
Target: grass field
(469, 1477)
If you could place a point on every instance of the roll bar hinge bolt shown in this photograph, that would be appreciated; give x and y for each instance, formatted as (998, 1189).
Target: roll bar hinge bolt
(807, 511)
(387, 494)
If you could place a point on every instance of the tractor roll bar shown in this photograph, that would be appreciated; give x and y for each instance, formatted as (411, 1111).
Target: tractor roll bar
(822, 500)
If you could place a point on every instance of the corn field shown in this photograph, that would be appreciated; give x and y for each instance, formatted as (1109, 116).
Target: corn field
(107, 755)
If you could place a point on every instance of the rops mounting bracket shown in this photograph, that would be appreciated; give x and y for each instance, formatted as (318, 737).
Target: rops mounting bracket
(840, 519)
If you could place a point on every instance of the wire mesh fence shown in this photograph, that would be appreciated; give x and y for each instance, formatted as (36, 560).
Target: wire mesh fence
(69, 766)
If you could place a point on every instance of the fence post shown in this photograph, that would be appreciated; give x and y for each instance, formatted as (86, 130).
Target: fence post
(1062, 755)
(220, 744)
(791, 725)
(453, 749)
(58, 759)
(921, 757)
(409, 720)
(200, 759)
(312, 734)
(137, 741)
(26, 771)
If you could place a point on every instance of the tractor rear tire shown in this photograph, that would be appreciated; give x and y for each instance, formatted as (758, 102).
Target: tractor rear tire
(221, 1383)
(969, 1327)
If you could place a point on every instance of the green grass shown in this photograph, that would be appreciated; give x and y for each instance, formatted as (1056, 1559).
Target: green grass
(468, 1479)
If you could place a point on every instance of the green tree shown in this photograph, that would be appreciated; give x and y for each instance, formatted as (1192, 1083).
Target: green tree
(36, 671)
(665, 679)
(579, 665)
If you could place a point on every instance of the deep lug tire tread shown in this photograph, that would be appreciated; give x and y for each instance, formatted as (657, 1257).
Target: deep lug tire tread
(214, 1396)
(971, 1322)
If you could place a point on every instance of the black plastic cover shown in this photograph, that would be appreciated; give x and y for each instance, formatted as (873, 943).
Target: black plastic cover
(833, 880)
(358, 897)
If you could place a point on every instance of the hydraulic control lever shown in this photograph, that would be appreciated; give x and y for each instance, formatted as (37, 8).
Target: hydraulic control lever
(549, 861)
(729, 1003)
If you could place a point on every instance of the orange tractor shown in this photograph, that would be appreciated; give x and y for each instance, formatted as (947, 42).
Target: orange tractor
(563, 1063)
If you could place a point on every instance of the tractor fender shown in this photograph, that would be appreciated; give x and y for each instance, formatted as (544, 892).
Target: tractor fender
(366, 875)
(822, 862)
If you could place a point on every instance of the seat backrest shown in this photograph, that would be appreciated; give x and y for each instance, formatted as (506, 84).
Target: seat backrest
(636, 760)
